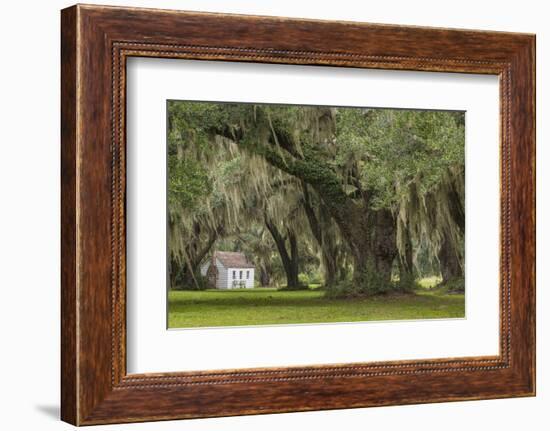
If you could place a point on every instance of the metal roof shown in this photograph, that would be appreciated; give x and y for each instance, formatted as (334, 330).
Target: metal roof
(233, 259)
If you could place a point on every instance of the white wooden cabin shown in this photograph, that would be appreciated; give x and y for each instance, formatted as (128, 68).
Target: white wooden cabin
(228, 270)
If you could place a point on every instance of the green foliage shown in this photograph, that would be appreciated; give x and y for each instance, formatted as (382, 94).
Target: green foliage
(303, 279)
(189, 183)
(455, 285)
(199, 283)
(232, 165)
(313, 276)
(391, 148)
(406, 283)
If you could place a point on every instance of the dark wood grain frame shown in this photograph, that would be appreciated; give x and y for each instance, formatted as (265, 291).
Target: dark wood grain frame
(96, 42)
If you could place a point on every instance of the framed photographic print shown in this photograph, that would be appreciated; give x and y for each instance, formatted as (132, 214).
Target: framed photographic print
(266, 215)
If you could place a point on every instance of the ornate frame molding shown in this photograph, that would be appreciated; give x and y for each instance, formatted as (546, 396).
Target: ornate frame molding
(96, 41)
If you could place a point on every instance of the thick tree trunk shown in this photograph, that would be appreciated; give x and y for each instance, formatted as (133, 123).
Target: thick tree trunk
(288, 258)
(451, 270)
(450, 258)
(329, 252)
(195, 253)
(173, 269)
(265, 276)
(330, 270)
(374, 250)
(371, 272)
(373, 253)
(406, 270)
(384, 244)
(189, 279)
(292, 265)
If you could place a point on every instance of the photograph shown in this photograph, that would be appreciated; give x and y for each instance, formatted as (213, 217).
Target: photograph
(296, 214)
(299, 213)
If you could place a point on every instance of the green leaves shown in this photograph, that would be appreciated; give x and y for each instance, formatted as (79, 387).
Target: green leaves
(188, 183)
(373, 152)
(389, 148)
(229, 162)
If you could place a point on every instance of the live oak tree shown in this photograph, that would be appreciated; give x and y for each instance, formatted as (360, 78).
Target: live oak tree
(332, 249)
(215, 190)
(378, 175)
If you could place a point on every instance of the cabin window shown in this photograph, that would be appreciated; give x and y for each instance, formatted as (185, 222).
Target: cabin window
(234, 275)
(247, 274)
(240, 275)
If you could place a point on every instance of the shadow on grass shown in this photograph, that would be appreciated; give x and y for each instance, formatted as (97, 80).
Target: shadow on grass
(252, 302)
(303, 299)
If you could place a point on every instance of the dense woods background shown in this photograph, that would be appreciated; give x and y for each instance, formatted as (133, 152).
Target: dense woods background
(361, 201)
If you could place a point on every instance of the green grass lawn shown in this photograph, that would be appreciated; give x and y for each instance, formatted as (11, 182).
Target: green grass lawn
(268, 306)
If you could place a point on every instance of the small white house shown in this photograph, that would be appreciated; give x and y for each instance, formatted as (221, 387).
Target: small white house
(228, 270)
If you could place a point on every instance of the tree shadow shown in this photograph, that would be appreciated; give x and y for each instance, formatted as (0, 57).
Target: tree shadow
(249, 302)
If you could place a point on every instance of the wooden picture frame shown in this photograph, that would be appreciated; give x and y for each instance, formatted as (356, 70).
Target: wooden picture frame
(95, 43)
